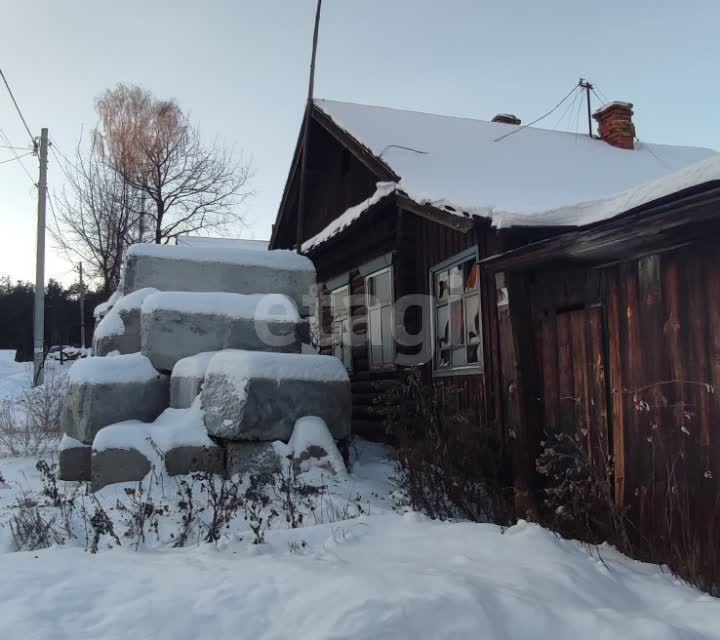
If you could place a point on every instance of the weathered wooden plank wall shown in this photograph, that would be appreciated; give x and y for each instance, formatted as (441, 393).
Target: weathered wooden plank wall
(639, 344)
(426, 244)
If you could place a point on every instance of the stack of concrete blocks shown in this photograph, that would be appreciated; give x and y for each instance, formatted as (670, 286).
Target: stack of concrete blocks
(226, 323)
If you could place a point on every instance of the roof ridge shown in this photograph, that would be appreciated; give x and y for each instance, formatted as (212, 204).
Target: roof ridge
(318, 101)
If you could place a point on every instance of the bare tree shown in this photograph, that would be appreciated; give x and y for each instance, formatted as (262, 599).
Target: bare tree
(98, 214)
(151, 143)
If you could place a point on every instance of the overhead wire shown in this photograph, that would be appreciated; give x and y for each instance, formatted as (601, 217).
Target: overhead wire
(50, 199)
(542, 117)
(55, 145)
(29, 153)
(10, 145)
(17, 108)
(3, 146)
(60, 163)
(577, 118)
(571, 104)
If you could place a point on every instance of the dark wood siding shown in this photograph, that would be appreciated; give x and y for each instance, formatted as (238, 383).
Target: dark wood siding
(425, 244)
(371, 237)
(337, 180)
(647, 332)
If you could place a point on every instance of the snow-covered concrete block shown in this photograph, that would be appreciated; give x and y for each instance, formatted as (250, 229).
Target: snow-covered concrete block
(250, 395)
(110, 466)
(102, 391)
(226, 269)
(312, 446)
(103, 308)
(194, 459)
(255, 458)
(73, 460)
(119, 329)
(187, 378)
(180, 324)
(176, 442)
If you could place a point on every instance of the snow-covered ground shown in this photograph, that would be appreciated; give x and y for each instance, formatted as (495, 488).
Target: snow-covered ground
(366, 571)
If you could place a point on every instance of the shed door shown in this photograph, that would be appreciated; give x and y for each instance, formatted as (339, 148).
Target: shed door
(572, 357)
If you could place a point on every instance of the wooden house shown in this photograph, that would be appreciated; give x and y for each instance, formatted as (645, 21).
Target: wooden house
(551, 279)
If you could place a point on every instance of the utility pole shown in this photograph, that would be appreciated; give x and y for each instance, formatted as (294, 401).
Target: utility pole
(306, 135)
(39, 308)
(82, 308)
(587, 86)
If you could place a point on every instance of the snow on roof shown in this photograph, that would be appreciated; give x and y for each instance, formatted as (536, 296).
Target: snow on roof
(461, 162)
(584, 213)
(237, 243)
(345, 219)
(279, 258)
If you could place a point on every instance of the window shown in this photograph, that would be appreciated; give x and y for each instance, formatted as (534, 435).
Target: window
(381, 345)
(341, 331)
(457, 324)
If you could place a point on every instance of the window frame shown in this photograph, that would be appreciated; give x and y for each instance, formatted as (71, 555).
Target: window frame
(368, 307)
(477, 368)
(347, 316)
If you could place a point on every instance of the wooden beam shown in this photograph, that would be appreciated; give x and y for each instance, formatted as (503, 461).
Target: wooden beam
(306, 134)
(434, 214)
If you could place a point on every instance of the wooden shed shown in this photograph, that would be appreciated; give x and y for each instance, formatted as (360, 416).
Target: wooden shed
(618, 327)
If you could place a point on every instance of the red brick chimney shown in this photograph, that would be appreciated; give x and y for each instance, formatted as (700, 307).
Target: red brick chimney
(615, 124)
(506, 118)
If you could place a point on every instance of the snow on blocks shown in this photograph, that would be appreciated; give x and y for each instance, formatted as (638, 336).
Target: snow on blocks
(176, 442)
(225, 269)
(119, 328)
(250, 395)
(187, 379)
(102, 391)
(176, 325)
(312, 446)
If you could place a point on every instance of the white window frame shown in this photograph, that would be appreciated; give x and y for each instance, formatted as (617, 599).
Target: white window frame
(337, 322)
(462, 369)
(369, 306)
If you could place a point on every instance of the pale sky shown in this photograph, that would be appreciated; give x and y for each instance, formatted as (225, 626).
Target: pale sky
(240, 68)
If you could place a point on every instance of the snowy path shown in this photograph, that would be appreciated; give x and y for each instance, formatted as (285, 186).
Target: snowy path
(380, 577)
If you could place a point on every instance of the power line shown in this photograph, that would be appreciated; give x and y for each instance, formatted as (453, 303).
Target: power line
(3, 135)
(29, 153)
(604, 99)
(2, 146)
(525, 126)
(570, 106)
(577, 119)
(17, 107)
(60, 151)
(60, 164)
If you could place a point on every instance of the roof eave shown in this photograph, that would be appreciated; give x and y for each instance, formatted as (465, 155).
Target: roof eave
(623, 236)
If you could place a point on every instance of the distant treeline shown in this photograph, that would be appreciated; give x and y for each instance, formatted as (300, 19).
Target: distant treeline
(62, 315)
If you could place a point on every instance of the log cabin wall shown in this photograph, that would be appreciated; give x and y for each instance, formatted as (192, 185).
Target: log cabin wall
(631, 354)
(416, 246)
(423, 245)
(371, 238)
